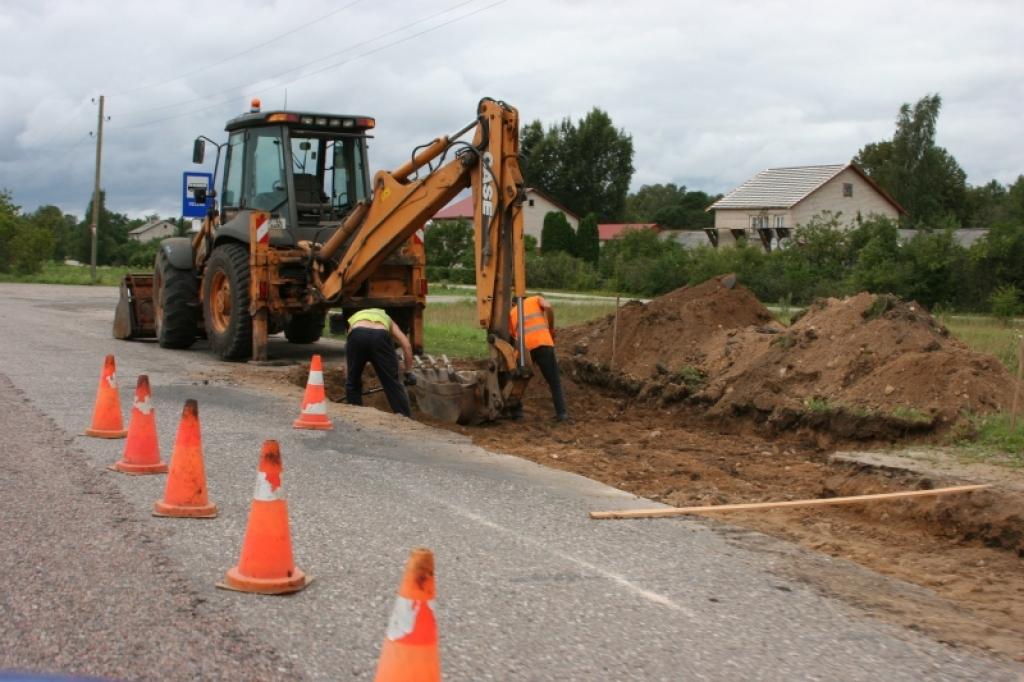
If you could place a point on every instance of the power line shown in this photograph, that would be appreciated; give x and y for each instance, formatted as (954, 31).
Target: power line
(243, 86)
(75, 146)
(313, 73)
(237, 54)
(67, 122)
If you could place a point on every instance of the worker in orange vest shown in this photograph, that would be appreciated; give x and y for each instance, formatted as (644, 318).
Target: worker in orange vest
(539, 338)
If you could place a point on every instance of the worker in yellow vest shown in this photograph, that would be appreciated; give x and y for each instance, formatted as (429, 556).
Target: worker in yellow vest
(539, 339)
(372, 335)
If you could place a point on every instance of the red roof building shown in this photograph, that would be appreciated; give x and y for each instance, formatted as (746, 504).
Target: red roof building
(610, 231)
(537, 205)
(459, 209)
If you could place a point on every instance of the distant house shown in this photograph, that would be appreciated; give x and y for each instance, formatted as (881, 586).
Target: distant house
(535, 207)
(688, 239)
(154, 229)
(965, 237)
(608, 231)
(768, 206)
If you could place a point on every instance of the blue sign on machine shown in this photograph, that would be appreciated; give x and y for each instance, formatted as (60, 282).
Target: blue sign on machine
(189, 182)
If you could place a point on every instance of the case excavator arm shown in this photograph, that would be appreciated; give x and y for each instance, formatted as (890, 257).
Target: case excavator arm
(402, 201)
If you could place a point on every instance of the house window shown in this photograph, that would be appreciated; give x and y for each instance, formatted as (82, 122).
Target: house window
(780, 221)
(847, 189)
(758, 221)
(531, 202)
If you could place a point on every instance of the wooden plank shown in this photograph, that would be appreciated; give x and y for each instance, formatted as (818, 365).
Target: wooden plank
(756, 506)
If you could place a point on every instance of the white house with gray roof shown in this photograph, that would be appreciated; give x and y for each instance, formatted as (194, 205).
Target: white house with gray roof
(770, 205)
(154, 229)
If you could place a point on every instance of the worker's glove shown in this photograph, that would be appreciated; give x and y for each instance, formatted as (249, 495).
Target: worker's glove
(409, 379)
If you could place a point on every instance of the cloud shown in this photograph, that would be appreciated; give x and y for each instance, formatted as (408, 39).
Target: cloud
(710, 92)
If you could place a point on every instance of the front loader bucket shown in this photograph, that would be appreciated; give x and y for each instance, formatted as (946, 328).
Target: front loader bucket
(134, 316)
(446, 394)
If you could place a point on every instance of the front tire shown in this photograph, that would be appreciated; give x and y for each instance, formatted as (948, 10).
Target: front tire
(176, 298)
(305, 327)
(226, 302)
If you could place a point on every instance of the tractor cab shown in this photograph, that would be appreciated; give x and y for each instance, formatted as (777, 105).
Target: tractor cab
(307, 170)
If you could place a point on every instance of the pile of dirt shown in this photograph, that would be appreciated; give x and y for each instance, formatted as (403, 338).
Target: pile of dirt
(856, 361)
(864, 367)
(661, 348)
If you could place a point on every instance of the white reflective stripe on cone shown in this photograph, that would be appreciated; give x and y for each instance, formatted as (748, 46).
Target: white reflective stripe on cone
(403, 617)
(145, 407)
(316, 377)
(315, 408)
(265, 492)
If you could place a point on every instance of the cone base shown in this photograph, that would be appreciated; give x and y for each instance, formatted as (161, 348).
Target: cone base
(300, 423)
(233, 580)
(105, 433)
(207, 511)
(138, 469)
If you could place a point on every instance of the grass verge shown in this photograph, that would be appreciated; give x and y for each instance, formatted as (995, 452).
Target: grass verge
(992, 440)
(60, 273)
(452, 329)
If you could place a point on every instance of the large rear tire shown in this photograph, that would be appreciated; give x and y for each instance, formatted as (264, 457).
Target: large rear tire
(305, 327)
(226, 302)
(176, 298)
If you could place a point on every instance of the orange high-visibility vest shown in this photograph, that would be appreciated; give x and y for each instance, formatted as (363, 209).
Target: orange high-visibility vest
(535, 324)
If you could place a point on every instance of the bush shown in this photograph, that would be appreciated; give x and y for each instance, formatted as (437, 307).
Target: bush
(1005, 303)
(30, 247)
(457, 275)
(557, 234)
(559, 270)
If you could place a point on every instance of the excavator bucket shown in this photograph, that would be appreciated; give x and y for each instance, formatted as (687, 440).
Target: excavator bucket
(134, 317)
(444, 393)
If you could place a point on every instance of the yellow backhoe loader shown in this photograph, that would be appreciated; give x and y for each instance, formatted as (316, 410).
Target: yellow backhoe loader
(299, 230)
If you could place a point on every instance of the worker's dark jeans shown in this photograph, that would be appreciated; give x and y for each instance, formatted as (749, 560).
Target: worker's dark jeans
(544, 357)
(376, 347)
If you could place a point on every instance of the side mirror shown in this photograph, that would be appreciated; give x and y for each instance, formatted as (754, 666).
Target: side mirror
(199, 195)
(198, 151)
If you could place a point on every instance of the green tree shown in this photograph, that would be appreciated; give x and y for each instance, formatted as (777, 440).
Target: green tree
(921, 176)
(529, 243)
(30, 247)
(586, 166)
(670, 206)
(61, 227)
(557, 234)
(986, 205)
(10, 219)
(588, 239)
(24, 244)
(112, 234)
(1015, 202)
(449, 243)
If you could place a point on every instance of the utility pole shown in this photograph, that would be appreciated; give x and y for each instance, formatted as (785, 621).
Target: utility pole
(96, 191)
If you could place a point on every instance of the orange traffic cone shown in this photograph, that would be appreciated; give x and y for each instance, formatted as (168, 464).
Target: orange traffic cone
(266, 565)
(185, 494)
(314, 404)
(106, 415)
(410, 650)
(141, 450)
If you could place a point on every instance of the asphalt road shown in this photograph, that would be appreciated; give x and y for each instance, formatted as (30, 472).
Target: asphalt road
(528, 587)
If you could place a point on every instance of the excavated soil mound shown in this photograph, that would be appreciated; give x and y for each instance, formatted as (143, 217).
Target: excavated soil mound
(852, 363)
(663, 345)
(864, 367)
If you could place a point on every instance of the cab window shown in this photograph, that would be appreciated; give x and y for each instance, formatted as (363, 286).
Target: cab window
(233, 171)
(266, 188)
(349, 184)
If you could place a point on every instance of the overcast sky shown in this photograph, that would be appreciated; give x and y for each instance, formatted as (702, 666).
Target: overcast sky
(711, 92)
